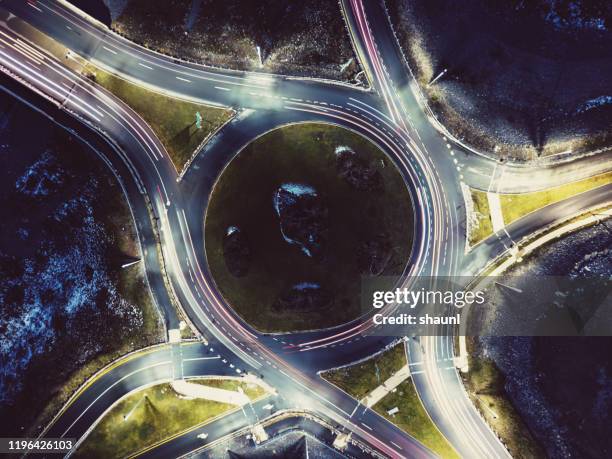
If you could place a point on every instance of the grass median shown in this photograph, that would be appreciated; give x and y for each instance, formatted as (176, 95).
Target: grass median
(173, 120)
(515, 206)
(413, 419)
(152, 415)
(480, 226)
(361, 379)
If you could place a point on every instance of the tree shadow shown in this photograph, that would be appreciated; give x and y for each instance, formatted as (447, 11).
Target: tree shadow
(183, 137)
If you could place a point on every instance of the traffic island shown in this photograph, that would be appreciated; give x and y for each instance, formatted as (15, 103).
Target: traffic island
(484, 219)
(403, 408)
(383, 383)
(296, 220)
(479, 225)
(361, 378)
(149, 417)
(182, 126)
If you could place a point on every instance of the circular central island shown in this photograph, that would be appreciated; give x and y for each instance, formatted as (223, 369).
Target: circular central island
(298, 218)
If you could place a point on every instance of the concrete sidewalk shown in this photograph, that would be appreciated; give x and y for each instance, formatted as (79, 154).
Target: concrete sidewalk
(378, 394)
(192, 390)
(497, 217)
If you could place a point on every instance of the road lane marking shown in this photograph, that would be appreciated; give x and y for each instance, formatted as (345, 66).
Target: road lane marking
(221, 88)
(166, 362)
(316, 394)
(183, 79)
(193, 359)
(366, 426)
(109, 50)
(396, 445)
(35, 7)
(145, 66)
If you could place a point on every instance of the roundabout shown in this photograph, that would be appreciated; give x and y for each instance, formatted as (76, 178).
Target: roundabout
(280, 245)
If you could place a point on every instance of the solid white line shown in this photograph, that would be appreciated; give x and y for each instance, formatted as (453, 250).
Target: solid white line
(201, 358)
(109, 50)
(183, 79)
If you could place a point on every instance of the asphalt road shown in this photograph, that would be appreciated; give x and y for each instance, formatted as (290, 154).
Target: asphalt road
(151, 169)
(391, 115)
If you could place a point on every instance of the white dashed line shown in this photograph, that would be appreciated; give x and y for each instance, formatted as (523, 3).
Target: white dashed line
(35, 7)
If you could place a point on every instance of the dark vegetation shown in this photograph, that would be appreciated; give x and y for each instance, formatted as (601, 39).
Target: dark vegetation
(236, 252)
(66, 229)
(524, 79)
(305, 37)
(310, 249)
(303, 220)
(561, 386)
(95, 8)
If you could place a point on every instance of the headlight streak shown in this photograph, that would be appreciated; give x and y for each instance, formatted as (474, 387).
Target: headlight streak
(149, 56)
(471, 435)
(392, 132)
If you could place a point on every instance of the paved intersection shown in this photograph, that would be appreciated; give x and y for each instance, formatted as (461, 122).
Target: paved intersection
(390, 115)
